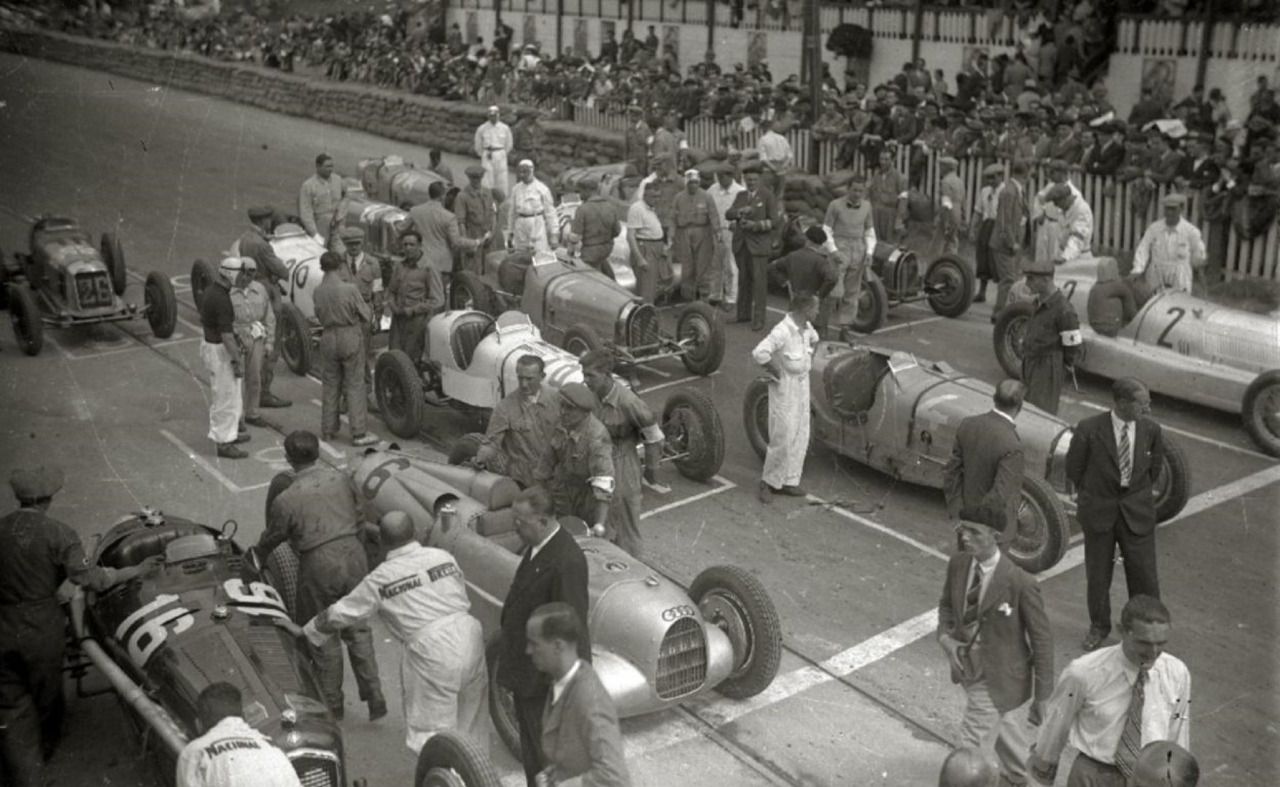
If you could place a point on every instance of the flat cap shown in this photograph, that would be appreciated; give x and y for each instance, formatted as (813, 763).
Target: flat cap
(475, 171)
(949, 161)
(579, 396)
(259, 212)
(752, 166)
(1041, 267)
(351, 233)
(234, 264)
(1174, 201)
(1058, 191)
(36, 483)
(993, 170)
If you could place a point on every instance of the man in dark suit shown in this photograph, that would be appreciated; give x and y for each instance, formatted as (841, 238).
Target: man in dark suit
(552, 568)
(580, 736)
(982, 482)
(1111, 154)
(992, 625)
(1112, 463)
(756, 220)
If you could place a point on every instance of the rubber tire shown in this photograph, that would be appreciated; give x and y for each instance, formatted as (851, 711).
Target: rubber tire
(504, 720)
(161, 305)
(464, 449)
(1267, 440)
(761, 618)
(395, 368)
(452, 751)
(481, 297)
(113, 255)
(713, 352)
(293, 329)
(583, 335)
(1178, 489)
(965, 295)
(1012, 318)
(24, 313)
(203, 273)
(706, 461)
(873, 305)
(757, 432)
(1057, 527)
(281, 572)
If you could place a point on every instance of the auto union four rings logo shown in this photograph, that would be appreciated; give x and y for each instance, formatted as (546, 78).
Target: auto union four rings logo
(675, 613)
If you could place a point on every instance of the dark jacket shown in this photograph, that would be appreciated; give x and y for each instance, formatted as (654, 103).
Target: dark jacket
(756, 239)
(1094, 470)
(580, 734)
(807, 270)
(1107, 159)
(983, 480)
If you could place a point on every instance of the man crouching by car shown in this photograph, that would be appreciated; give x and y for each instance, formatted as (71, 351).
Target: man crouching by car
(230, 752)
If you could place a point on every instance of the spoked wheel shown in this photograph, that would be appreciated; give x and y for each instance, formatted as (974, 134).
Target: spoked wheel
(581, 339)
(1011, 328)
(737, 602)
(692, 427)
(873, 305)
(470, 292)
(1043, 530)
(702, 327)
(950, 284)
(294, 334)
(502, 704)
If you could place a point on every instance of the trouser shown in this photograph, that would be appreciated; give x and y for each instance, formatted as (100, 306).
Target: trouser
(625, 506)
(529, 232)
(1170, 276)
(1006, 268)
(597, 256)
(32, 642)
(984, 726)
(1044, 375)
(251, 383)
(695, 249)
(1139, 553)
(444, 682)
(529, 722)
(753, 285)
(326, 574)
(653, 283)
(269, 359)
(366, 341)
(494, 163)
(949, 232)
(849, 276)
(788, 431)
(225, 404)
(1088, 772)
(728, 271)
(409, 335)
(342, 371)
(982, 250)
(885, 217)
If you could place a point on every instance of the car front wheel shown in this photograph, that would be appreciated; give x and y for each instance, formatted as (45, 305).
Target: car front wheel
(502, 703)
(950, 285)
(25, 316)
(693, 432)
(1011, 327)
(873, 305)
(735, 601)
(702, 327)
(1261, 411)
(449, 759)
(1043, 530)
(294, 334)
(398, 388)
(161, 305)
(1173, 481)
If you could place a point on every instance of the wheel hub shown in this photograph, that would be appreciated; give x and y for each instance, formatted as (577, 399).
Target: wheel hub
(442, 777)
(721, 610)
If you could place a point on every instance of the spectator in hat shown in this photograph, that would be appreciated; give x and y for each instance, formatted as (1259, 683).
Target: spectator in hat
(756, 219)
(1168, 159)
(476, 210)
(1170, 249)
(1066, 145)
(319, 196)
(1111, 153)
(1147, 109)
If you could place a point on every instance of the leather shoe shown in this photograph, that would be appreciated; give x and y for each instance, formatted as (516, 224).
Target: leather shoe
(360, 441)
(256, 420)
(242, 437)
(377, 709)
(792, 491)
(765, 493)
(1093, 640)
(229, 451)
(271, 400)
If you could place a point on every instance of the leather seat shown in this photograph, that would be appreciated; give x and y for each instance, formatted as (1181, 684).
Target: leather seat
(467, 333)
(851, 381)
(144, 543)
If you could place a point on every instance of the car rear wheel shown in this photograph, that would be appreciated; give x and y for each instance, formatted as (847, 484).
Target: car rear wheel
(581, 339)
(113, 256)
(25, 316)
(502, 704)
(873, 305)
(950, 285)
(294, 334)
(203, 273)
(1011, 327)
(161, 305)
(755, 415)
(449, 759)
(704, 330)
(692, 427)
(398, 388)
(1043, 530)
(1261, 411)
(1172, 487)
(738, 604)
(470, 292)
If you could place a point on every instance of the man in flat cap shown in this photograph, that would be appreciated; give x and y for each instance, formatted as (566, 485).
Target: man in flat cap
(37, 552)
(531, 212)
(1051, 340)
(1170, 249)
(493, 142)
(952, 200)
(595, 225)
(476, 208)
(695, 244)
(271, 270)
(578, 469)
(319, 196)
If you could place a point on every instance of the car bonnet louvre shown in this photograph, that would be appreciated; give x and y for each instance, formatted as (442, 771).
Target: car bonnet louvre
(682, 660)
(269, 654)
(642, 326)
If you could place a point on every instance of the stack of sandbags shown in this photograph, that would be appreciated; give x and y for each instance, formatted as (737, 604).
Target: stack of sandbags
(807, 195)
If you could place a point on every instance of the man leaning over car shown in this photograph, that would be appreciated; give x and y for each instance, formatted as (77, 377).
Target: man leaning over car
(255, 243)
(520, 429)
(223, 358)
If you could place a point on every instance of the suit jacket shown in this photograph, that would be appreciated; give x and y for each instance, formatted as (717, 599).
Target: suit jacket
(557, 573)
(580, 734)
(983, 480)
(1200, 176)
(1094, 469)
(1014, 651)
(1108, 159)
(440, 234)
(763, 207)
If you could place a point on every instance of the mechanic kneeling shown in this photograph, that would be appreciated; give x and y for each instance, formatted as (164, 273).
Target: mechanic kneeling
(37, 552)
(231, 753)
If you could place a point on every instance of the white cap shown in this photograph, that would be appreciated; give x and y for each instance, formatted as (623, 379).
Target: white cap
(494, 108)
(692, 174)
(524, 162)
(232, 264)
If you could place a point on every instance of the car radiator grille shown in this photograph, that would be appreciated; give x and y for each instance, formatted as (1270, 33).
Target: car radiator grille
(316, 769)
(682, 659)
(93, 289)
(642, 326)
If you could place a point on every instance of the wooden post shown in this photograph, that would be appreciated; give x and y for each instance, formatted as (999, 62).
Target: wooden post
(813, 59)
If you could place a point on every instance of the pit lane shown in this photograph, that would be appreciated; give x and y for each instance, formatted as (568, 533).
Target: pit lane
(178, 171)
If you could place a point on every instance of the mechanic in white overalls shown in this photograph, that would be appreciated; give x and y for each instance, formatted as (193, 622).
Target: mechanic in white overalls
(421, 595)
(1170, 249)
(230, 753)
(531, 212)
(786, 355)
(492, 143)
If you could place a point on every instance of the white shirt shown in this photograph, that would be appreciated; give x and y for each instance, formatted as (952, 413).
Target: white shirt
(1078, 222)
(988, 567)
(555, 528)
(1119, 425)
(493, 135)
(1163, 245)
(643, 222)
(560, 685)
(1091, 700)
(775, 150)
(788, 344)
(533, 200)
(723, 198)
(232, 754)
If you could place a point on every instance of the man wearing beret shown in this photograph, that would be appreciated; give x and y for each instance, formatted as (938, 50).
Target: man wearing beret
(476, 208)
(256, 243)
(37, 552)
(578, 469)
(1170, 249)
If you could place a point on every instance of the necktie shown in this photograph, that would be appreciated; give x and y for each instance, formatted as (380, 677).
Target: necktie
(1131, 737)
(1126, 460)
(972, 596)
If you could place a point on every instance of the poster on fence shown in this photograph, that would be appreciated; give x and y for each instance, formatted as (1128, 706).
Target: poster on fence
(670, 38)
(473, 27)
(607, 30)
(580, 37)
(530, 29)
(757, 47)
(1158, 75)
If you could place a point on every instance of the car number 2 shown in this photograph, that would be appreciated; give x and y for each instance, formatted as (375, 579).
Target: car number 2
(1178, 313)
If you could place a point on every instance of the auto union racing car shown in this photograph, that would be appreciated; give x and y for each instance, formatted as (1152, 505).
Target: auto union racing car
(580, 309)
(471, 363)
(899, 415)
(64, 280)
(653, 644)
(1180, 345)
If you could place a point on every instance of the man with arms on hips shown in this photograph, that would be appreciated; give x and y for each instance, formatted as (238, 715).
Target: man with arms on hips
(255, 329)
(993, 628)
(723, 193)
(230, 753)
(415, 293)
(649, 252)
(983, 480)
(255, 243)
(420, 593)
(809, 271)
(850, 224)
(552, 568)
(1113, 462)
(1170, 250)
(1051, 340)
(696, 224)
(1112, 702)
(520, 430)
(580, 739)
(531, 212)
(493, 142)
(577, 469)
(785, 355)
(319, 196)
(223, 358)
(344, 320)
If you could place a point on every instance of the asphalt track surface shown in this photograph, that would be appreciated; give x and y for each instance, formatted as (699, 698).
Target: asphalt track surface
(862, 697)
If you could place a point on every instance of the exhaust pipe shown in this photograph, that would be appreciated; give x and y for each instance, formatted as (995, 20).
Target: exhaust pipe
(155, 716)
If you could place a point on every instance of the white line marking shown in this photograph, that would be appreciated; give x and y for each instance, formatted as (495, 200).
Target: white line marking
(195, 328)
(207, 465)
(671, 383)
(725, 486)
(888, 531)
(1183, 432)
(908, 324)
(131, 348)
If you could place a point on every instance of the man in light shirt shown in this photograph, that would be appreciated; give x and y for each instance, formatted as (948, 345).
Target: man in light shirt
(493, 142)
(318, 198)
(1076, 224)
(850, 224)
(775, 152)
(1170, 249)
(1110, 702)
(531, 212)
(723, 193)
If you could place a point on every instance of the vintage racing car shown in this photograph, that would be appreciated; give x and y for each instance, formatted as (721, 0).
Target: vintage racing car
(471, 363)
(397, 182)
(1180, 345)
(64, 280)
(579, 308)
(654, 645)
(899, 415)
